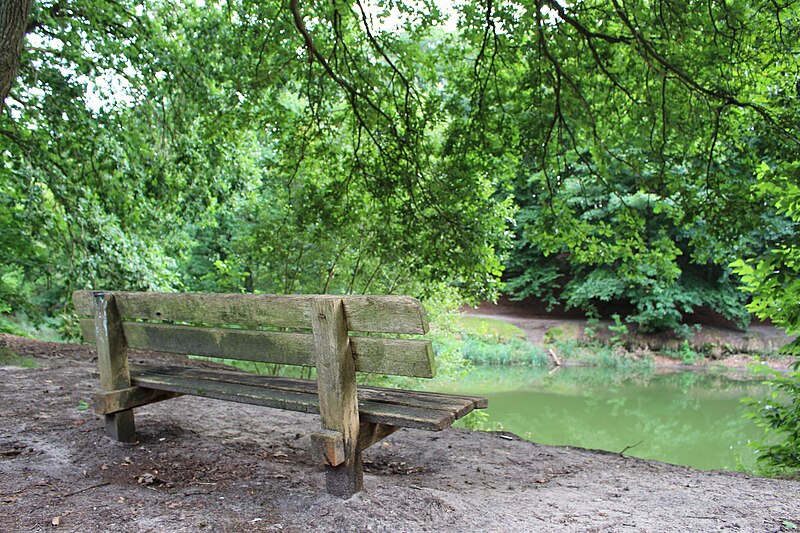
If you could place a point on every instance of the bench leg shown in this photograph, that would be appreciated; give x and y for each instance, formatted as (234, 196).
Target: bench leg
(347, 478)
(112, 361)
(121, 427)
(336, 387)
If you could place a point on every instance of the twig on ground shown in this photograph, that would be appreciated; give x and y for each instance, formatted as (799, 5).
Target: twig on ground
(97, 486)
(626, 448)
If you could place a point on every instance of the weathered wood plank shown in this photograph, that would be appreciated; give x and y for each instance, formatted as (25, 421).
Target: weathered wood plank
(112, 362)
(458, 405)
(287, 400)
(382, 314)
(369, 434)
(400, 357)
(120, 400)
(336, 388)
(240, 344)
(369, 411)
(327, 447)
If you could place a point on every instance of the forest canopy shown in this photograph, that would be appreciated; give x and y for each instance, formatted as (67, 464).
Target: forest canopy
(581, 152)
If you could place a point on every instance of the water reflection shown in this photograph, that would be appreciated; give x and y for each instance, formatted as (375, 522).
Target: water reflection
(687, 418)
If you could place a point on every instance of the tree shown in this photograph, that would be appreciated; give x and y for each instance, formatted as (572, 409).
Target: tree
(773, 281)
(636, 129)
(152, 146)
(13, 25)
(345, 147)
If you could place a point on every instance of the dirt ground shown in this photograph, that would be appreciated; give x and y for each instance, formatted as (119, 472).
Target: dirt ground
(204, 465)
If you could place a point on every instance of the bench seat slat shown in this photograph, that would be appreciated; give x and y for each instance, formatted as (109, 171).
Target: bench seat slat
(369, 410)
(385, 314)
(458, 405)
(402, 357)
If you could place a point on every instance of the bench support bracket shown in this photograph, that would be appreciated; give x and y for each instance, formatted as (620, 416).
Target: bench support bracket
(369, 433)
(110, 402)
(327, 447)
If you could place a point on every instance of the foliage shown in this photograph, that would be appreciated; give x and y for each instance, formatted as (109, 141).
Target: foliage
(779, 415)
(237, 147)
(773, 278)
(348, 148)
(7, 326)
(590, 329)
(636, 129)
(603, 355)
(618, 330)
(773, 281)
(685, 353)
(477, 420)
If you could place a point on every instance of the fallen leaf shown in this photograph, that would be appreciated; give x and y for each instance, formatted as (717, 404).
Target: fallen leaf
(146, 479)
(56, 521)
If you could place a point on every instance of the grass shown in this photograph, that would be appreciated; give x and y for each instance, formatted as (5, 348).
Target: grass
(10, 358)
(480, 326)
(7, 326)
(562, 333)
(484, 351)
(488, 341)
(21, 326)
(603, 355)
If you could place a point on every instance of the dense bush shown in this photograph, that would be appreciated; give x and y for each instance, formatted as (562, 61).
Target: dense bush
(773, 281)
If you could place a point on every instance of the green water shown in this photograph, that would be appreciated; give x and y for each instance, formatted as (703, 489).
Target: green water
(687, 418)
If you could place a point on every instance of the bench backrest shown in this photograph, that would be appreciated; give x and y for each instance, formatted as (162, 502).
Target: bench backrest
(268, 328)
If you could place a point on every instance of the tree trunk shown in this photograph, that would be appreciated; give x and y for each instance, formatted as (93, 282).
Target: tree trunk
(13, 20)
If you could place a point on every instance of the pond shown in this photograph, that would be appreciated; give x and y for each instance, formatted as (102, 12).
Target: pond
(687, 418)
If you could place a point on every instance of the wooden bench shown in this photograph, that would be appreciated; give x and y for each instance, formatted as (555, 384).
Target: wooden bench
(293, 330)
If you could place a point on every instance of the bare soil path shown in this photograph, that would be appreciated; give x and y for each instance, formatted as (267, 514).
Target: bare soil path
(202, 465)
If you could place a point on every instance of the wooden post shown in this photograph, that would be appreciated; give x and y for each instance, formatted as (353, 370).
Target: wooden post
(112, 360)
(336, 385)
